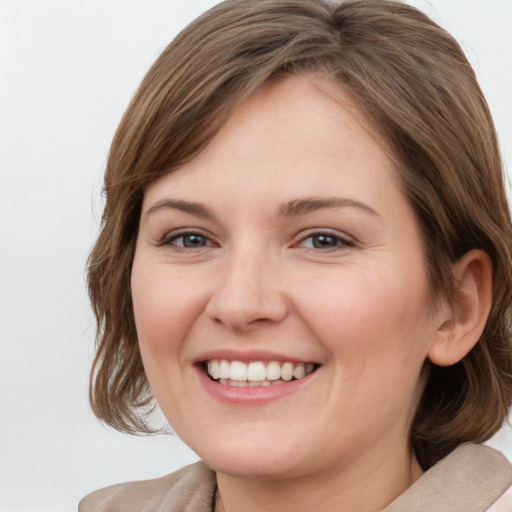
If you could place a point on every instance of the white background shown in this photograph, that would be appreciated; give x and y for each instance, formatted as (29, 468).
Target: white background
(67, 71)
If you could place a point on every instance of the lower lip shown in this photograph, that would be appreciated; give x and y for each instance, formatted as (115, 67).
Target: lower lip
(248, 395)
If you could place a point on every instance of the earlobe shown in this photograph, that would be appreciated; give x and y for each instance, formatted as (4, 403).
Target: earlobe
(465, 319)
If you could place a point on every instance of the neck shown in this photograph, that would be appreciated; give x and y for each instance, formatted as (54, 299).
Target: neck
(340, 489)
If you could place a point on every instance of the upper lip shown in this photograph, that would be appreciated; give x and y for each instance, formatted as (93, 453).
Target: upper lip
(248, 355)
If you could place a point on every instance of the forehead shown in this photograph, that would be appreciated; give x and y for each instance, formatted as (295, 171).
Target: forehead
(291, 135)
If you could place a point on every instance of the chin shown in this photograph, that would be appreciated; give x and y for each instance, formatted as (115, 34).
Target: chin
(252, 459)
(262, 468)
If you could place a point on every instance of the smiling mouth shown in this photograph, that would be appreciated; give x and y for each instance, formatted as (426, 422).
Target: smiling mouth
(256, 373)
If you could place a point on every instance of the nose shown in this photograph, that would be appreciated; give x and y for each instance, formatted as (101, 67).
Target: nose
(248, 293)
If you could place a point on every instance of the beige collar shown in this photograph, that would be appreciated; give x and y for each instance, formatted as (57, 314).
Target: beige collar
(470, 479)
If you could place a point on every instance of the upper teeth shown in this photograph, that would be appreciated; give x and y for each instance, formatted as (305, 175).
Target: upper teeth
(257, 371)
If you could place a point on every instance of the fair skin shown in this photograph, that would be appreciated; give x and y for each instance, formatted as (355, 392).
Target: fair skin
(289, 240)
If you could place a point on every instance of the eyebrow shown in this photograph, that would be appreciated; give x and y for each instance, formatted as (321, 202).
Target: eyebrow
(183, 206)
(295, 207)
(311, 204)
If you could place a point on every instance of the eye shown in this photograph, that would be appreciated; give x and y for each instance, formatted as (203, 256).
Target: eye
(324, 240)
(188, 240)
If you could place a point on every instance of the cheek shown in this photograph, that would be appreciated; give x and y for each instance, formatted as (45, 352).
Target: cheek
(365, 317)
(163, 318)
(162, 311)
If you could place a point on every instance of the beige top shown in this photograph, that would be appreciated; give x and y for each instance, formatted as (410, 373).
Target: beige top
(470, 479)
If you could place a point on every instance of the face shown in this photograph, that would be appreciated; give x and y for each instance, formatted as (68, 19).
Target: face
(280, 291)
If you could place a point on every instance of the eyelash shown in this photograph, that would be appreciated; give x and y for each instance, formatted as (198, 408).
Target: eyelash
(340, 241)
(172, 237)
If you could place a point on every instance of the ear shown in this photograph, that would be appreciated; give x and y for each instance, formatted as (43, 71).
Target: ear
(463, 322)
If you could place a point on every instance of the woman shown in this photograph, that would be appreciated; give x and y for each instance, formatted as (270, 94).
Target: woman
(305, 259)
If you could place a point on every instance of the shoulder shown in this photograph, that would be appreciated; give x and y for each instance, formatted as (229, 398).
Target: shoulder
(473, 478)
(503, 503)
(190, 488)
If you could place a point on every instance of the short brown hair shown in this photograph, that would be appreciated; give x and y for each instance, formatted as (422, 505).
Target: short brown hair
(412, 79)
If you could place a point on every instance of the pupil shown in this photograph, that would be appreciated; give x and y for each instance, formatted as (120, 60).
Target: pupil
(193, 241)
(323, 241)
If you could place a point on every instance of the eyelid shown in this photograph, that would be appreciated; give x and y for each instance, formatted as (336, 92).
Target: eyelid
(168, 238)
(345, 240)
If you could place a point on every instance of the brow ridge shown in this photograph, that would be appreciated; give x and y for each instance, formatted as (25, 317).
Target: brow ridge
(295, 207)
(181, 205)
(306, 205)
